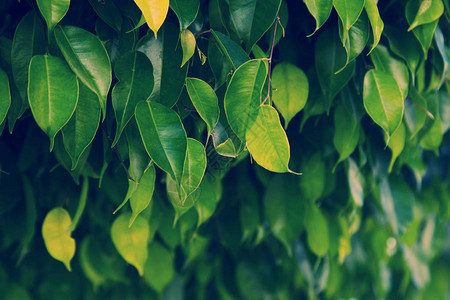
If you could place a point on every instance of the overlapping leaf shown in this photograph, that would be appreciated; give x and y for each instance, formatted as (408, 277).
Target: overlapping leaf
(53, 11)
(349, 12)
(320, 9)
(186, 11)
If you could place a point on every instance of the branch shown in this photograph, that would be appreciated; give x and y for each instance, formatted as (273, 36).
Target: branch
(277, 20)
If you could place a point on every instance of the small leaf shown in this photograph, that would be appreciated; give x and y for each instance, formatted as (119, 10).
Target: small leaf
(154, 11)
(164, 137)
(348, 11)
(135, 74)
(188, 44)
(194, 168)
(143, 193)
(267, 142)
(53, 11)
(52, 93)
(397, 143)
(55, 231)
(186, 11)
(375, 21)
(87, 57)
(205, 101)
(383, 100)
(5, 95)
(159, 269)
(290, 90)
(321, 10)
(404, 45)
(426, 11)
(317, 231)
(131, 243)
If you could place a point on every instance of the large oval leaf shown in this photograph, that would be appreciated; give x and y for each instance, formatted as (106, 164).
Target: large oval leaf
(143, 194)
(53, 11)
(383, 100)
(194, 168)
(186, 11)
(166, 57)
(205, 101)
(5, 95)
(135, 74)
(348, 11)
(131, 242)
(290, 90)
(52, 93)
(82, 127)
(320, 10)
(86, 56)
(317, 231)
(164, 137)
(55, 231)
(267, 142)
(243, 96)
(253, 18)
(154, 11)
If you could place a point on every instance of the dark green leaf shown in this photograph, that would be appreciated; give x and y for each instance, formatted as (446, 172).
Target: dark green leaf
(108, 12)
(186, 11)
(232, 51)
(5, 95)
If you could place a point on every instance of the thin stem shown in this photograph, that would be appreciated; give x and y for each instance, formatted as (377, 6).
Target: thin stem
(422, 109)
(277, 20)
(81, 204)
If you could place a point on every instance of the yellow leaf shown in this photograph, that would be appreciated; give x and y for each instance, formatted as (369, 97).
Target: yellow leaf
(188, 45)
(154, 11)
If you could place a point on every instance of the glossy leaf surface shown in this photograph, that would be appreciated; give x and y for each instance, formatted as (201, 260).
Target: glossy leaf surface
(194, 167)
(143, 193)
(376, 22)
(53, 11)
(320, 10)
(154, 11)
(186, 11)
(426, 11)
(188, 43)
(348, 11)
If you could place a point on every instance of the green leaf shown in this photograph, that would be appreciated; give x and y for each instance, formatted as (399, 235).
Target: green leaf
(253, 18)
(375, 21)
(131, 242)
(396, 143)
(166, 57)
(186, 11)
(356, 182)
(137, 154)
(135, 74)
(317, 231)
(210, 192)
(87, 57)
(267, 142)
(384, 61)
(358, 36)
(5, 95)
(188, 43)
(154, 11)
(243, 96)
(220, 66)
(440, 43)
(205, 101)
(143, 193)
(397, 201)
(425, 11)
(284, 210)
(330, 57)
(313, 181)
(108, 12)
(423, 33)
(415, 111)
(433, 136)
(80, 131)
(194, 168)
(232, 51)
(60, 245)
(159, 269)
(222, 143)
(383, 100)
(291, 90)
(320, 10)
(349, 12)
(53, 11)
(52, 93)
(164, 137)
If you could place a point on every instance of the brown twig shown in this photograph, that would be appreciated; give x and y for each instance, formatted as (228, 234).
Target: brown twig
(277, 20)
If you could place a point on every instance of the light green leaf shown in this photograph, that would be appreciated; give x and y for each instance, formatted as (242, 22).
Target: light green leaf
(317, 231)
(143, 193)
(384, 61)
(193, 169)
(164, 137)
(440, 43)
(348, 11)
(87, 57)
(320, 10)
(396, 143)
(232, 51)
(253, 18)
(423, 33)
(404, 45)
(135, 74)
(52, 93)
(188, 43)
(284, 210)
(356, 182)
(330, 57)
(291, 90)
(159, 269)
(433, 136)
(166, 57)
(205, 101)
(80, 131)
(5, 95)
(53, 11)
(375, 21)
(267, 142)
(313, 181)
(131, 243)
(383, 100)
(186, 11)
(108, 12)
(243, 96)
(55, 232)
(358, 36)
(397, 201)
(425, 11)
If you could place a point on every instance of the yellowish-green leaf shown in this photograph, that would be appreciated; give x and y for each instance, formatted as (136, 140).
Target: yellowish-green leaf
(320, 10)
(53, 11)
(154, 11)
(131, 243)
(188, 43)
(348, 11)
(396, 143)
(143, 193)
(426, 11)
(375, 21)
(55, 231)
(317, 231)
